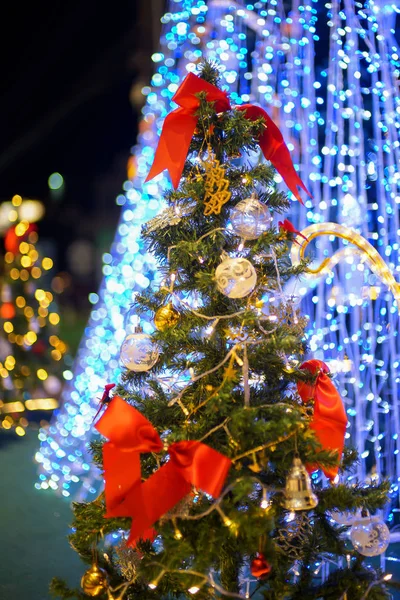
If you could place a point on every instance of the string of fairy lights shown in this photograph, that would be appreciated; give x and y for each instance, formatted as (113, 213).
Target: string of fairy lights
(341, 120)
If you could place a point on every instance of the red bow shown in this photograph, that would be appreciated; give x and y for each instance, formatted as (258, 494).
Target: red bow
(330, 420)
(180, 124)
(290, 228)
(190, 463)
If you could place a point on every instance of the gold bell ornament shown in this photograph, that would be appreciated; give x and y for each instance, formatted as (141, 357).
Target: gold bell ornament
(94, 581)
(166, 317)
(298, 491)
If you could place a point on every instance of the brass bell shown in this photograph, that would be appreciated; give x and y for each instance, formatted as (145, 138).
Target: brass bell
(298, 491)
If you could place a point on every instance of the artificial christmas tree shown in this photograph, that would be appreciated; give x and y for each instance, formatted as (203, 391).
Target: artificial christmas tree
(31, 351)
(219, 419)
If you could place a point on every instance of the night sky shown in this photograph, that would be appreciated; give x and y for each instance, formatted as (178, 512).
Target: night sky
(67, 69)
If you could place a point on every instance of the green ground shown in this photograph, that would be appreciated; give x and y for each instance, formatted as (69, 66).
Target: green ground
(33, 526)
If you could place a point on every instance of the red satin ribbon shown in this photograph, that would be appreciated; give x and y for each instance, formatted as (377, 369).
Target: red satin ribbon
(330, 420)
(191, 463)
(180, 124)
(290, 228)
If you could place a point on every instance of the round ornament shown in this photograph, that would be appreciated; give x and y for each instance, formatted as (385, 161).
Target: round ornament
(369, 536)
(260, 567)
(250, 218)
(138, 352)
(235, 277)
(166, 317)
(94, 581)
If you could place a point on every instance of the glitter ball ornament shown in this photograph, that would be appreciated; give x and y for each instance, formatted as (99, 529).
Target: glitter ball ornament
(94, 581)
(235, 277)
(250, 218)
(369, 536)
(259, 567)
(138, 352)
(166, 317)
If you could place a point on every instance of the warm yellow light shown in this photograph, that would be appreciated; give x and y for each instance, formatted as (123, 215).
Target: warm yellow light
(24, 275)
(16, 200)
(25, 371)
(177, 534)
(12, 407)
(42, 312)
(33, 237)
(5, 424)
(31, 210)
(49, 296)
(21, 228)
(56, 354)
(31, 337)
(19, 339)
(26, 261)
(9, 363)
(9, 257)
(54, 318)
(41, 404)
(18, 384)
(47, 263)
(4, 373)
(24, 248)
(11, 338)
(40, 295)
(193, 590)
(388, 577)
(28, 312)
(42, 322)
(152, 585)
(61, 347)
(20, 431)
(13, 216)
(53, 339)
(8, 327)
(36, 272)
(33, 255)
(20, 301)
(14, 274)
(42, 374)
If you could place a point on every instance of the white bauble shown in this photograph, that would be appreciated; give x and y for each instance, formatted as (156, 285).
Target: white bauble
(370, 536)
(138, 352)
(250, 218)
(236, 277)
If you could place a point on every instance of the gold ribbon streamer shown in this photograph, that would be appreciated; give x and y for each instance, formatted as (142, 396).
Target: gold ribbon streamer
(361, 247)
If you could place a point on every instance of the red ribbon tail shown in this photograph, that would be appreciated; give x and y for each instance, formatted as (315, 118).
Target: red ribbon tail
(173, 146)
(330, 419)
(275, 150)
(156, 496)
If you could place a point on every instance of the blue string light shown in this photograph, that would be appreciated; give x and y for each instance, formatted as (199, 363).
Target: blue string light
(340, 117)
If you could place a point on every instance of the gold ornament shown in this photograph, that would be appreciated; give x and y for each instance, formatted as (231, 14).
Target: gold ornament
(216, 186)
(298, 491)
(94, 581)
(166, 317)
(362, 248)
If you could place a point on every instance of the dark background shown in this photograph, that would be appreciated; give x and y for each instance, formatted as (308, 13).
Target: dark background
(71, 75)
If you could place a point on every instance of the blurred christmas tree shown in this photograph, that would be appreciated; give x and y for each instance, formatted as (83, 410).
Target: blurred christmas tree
(31, 353)
(216, 413)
